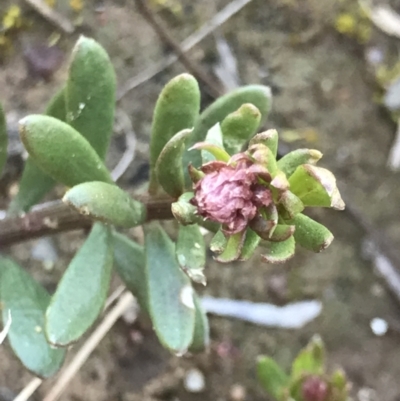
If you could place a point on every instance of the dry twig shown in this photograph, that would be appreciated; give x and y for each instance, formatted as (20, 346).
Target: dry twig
(52, 16)
(213, 88)
(209, 27)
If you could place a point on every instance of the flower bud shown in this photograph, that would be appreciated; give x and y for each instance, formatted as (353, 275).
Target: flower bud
(230, 195)
(314, 389)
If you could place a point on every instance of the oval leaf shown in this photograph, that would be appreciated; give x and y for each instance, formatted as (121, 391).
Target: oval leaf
(296, 158)
(279, 252)
(35, 183)
(201, 335)
(27, 301)
(268, 138)
(170, 294)
(310, 234)
(271, 377)
(169, 168)
(213, 137)
(107, 203)
(232, 249)
(191, 252)
(316, 186)
(3, 139)
(250, 245)
(258, 95)
(177, 108)
(90, 94)
(61, 151)
(82, 291)
(129, 260)
(239, 126)
(310, 360)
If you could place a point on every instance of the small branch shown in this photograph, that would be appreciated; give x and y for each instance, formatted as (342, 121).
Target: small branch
(52, 16)
(29, 389)
(55, 217)
(213, 87)
(195, 38)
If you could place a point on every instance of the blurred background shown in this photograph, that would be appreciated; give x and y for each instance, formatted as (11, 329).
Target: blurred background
(334, 70)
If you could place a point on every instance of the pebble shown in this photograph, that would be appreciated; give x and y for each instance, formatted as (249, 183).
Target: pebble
(194, 381)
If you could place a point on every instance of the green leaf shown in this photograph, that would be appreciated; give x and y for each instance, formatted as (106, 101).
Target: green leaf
(239, 126)
(27, 301)
(107, 203)
(279, 252)
(213, 137)
(201, 335)
(218, 242)
(232, 249)
(82, 291)
(268, 138)
(211, 152)
(129, 260)
(292, 203)
(61, 151)
(316, 186)
(177, 108)
(263, 155)
(191, 252)
(170, 294)
(251, 243)
(258, 95)
(282, 232)
(169, 168)
(271, 377)
(296, 158)
(3, 139)
(183, 210)
(90, 94)
(310, 234)
(35, 183)
(310, 361)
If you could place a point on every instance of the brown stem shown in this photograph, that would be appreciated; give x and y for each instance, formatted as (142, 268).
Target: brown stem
(55, 217)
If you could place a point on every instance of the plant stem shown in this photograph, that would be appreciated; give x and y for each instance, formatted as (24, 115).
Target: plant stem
(55, 217)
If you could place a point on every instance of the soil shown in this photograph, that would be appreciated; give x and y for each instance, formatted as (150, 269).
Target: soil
(322, 84)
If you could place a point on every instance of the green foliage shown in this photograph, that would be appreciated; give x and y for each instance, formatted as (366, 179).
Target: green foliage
(176, 109)
(61, 151)
(90, 94)
(308, 380)
(169, 170)
(129, 260)
(311, 234)
(170, 294)
(191, 252)
(3, 139)
(107, 203)
(239, 126)
(187, 150)
(257, 95)
(35, 183)
(271, 377)
(82, 291)
(201, 334)
(27, 302)
(289, 163)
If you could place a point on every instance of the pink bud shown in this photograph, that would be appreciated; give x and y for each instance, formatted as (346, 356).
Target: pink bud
(230, 195)
(314, 389)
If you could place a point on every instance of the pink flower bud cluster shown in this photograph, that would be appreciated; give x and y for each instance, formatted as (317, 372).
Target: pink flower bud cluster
(231, 194)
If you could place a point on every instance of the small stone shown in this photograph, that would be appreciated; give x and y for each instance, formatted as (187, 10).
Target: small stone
(237, 393)
(194, 381)
(379, 326)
